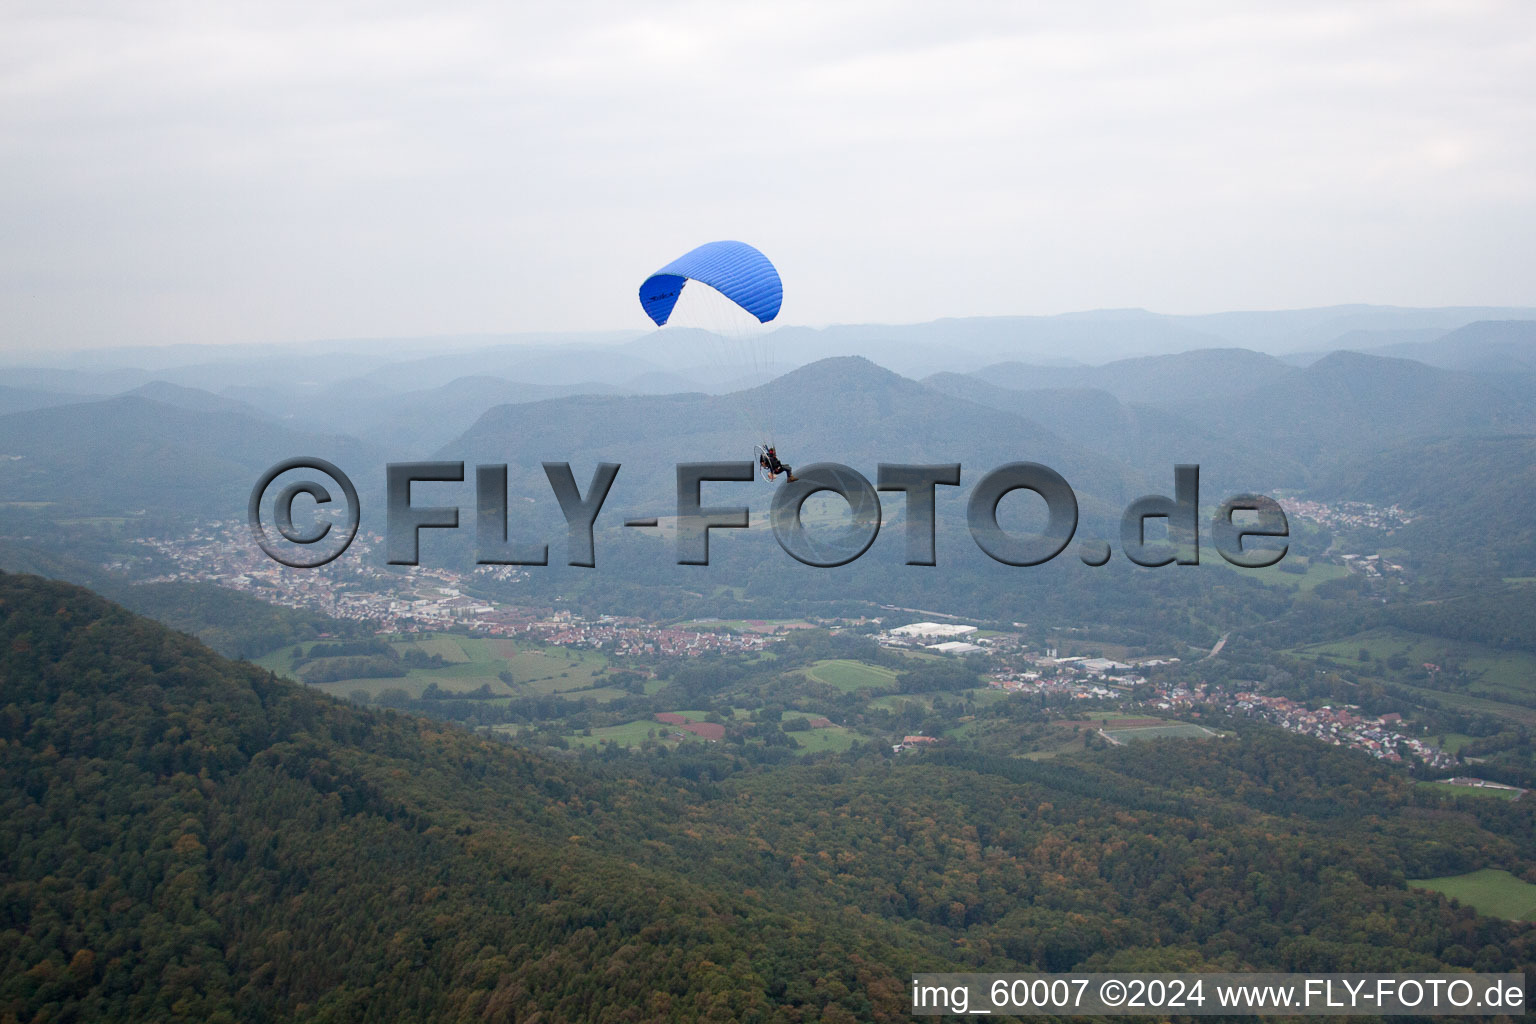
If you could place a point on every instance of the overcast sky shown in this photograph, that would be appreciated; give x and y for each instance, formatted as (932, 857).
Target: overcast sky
(218, 172)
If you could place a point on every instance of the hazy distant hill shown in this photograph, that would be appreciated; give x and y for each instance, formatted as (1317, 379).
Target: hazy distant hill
(1350, 403)
(1151, 439)
(341, 406)
(68, 381)
(1248, 418)
(1379, 342)
(26, 399)
(196, 399)
(1473, 498)
(619, 358)
(1252, 421)
(1488, 346)
(964, 344)
(418, 422)
(837, 410)
(543, 364)
(1172, 381)
(131, 453)
(1291, 330)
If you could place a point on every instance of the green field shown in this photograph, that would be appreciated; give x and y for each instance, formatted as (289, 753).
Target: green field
(472, 662)
(819, 741)
(449, 648)
(1446, 787)
(1317, 572)
(907, 652)
(1489, 891)
(895, 701)
(630, 734)
(1495, 675)
(849, 676)
(1181, 730)
(1451, 742)
(1514, 712)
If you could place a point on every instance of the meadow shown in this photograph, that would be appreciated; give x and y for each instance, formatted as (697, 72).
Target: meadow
(1489, 891)
(850, 676)
(834, 738)
(1177, 730)
(1505, 677)
(1317, 572)
(1446, 787)
(470, 663)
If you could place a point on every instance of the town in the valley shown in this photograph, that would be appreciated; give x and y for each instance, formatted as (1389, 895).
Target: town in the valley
(406, 601)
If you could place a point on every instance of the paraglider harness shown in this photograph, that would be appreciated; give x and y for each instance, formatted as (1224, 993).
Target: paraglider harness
(768, 464)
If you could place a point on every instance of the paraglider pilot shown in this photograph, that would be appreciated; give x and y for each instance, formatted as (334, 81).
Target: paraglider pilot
(769, 460)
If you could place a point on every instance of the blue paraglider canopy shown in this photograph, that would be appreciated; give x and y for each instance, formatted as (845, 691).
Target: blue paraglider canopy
(734, 269)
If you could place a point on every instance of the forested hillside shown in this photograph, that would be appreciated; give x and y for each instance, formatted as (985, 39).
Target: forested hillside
(188, 838)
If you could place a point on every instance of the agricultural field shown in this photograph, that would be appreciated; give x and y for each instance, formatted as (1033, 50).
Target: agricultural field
(897, 701)
(1054, 745)
(833, 738)
(1040, 741)
(1175, 730)
(819, 741)
(1489, 891)
(981, 695)
(1451, 742)
(630, 734)
(1124, 729)
(964, 729)
(1514, 712)
(850, 676)
(1494, 675)
(470, 663)
(1484, 791)
(1317, 573)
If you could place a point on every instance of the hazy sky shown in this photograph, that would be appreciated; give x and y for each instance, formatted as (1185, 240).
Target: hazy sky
(184, 172)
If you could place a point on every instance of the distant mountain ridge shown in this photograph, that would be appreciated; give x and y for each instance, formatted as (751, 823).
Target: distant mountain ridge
(843, 409)
(130, 453)
(1486, 346)
(423, 420)
(621, 358)
(1169, 381)
(27, 399)
(1471, 498)
(1351, 401)
(1251, 420)
(195, 399)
